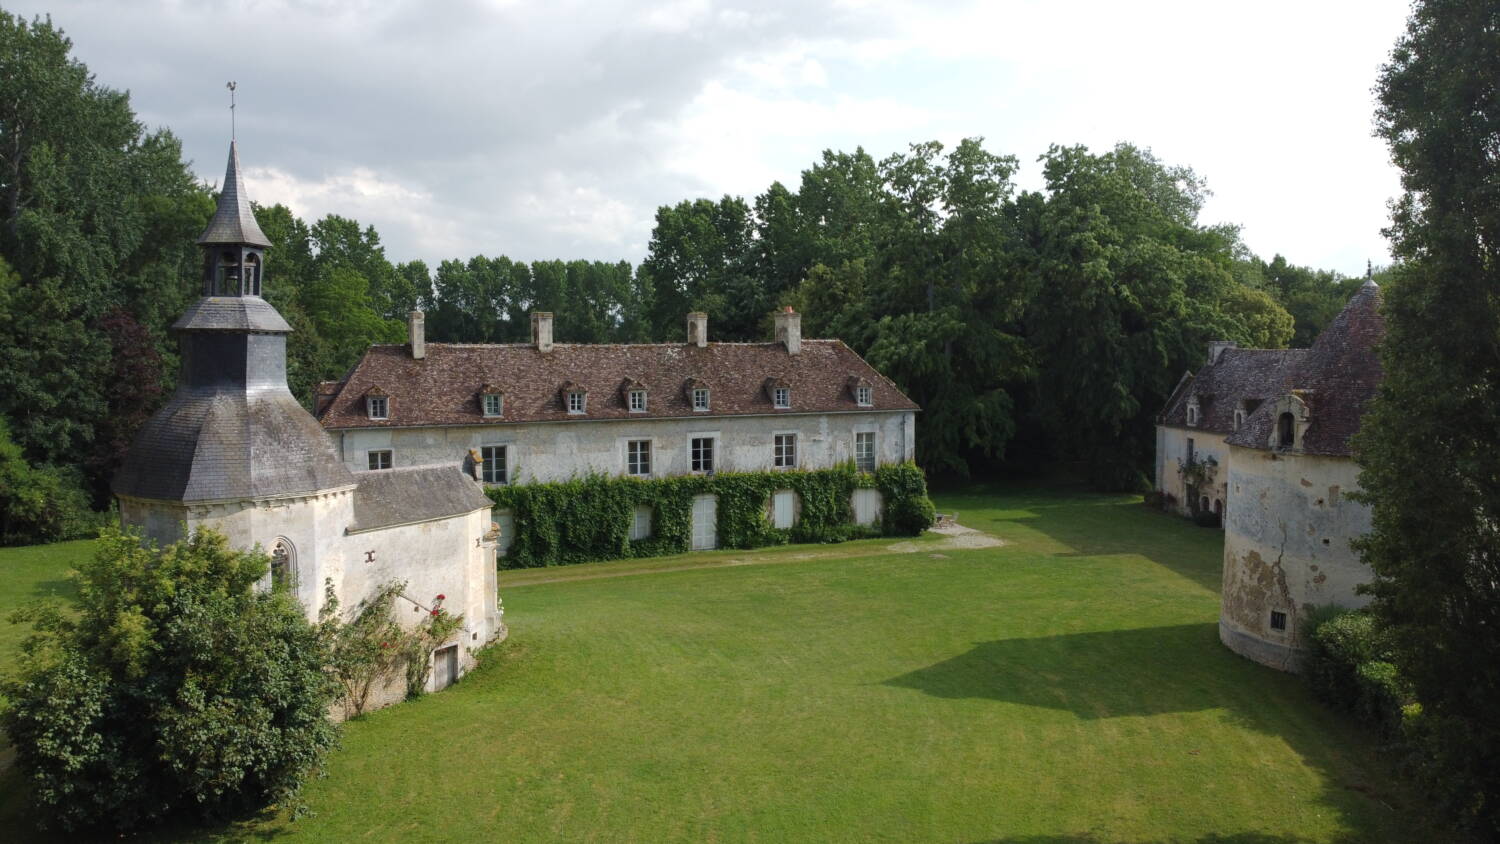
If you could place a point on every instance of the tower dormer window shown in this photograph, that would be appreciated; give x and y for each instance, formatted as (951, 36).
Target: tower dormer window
(1239, 417)
(1286, 430)
(781, 397)
(1193, 411)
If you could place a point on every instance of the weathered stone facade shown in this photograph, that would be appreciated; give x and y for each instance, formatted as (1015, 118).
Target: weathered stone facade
(1277, 425)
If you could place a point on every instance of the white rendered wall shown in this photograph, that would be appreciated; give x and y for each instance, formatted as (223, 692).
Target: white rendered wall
(313, 525)
(556, 451)
(1171, 453)
(1287, 547)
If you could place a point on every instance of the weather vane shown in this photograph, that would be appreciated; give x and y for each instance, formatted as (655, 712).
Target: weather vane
(231, 85)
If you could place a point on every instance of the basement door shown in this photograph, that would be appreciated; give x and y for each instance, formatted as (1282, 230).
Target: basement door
(445, 667)
(705, 522)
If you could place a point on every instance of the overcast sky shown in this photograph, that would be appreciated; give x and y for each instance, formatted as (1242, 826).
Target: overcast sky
(554, 130)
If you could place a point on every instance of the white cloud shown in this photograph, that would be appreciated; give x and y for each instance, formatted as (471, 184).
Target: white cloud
(556, 130)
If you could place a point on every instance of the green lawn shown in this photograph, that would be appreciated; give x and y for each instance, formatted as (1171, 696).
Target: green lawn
(1068, 686)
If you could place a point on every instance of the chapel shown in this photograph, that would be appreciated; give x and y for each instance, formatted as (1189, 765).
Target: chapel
(234, 451)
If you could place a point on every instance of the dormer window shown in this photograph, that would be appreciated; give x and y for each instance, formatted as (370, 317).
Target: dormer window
(781, 397)
(637, 399)
(492, 401)
(1286, 430)
(577, 401)
(377, 404)
(1193, 411)
(1239, 417)
(864, 396)
(700, 399)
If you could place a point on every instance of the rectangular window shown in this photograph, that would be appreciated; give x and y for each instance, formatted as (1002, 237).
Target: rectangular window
(495, 465)
(784, 451)
(638, 458)
(782, 396)
(576, 401)
(379, 407)
(702, 449)
(493, 404)
(1278, 620)
(380, 459)
(700, 398)
(637, 401)
(864, 396)
(1190, 453)
(640, 523)
(864, 451)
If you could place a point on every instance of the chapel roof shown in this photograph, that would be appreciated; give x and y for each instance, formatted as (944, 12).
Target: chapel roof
(414, 494)
(443, 387)
(233, 222)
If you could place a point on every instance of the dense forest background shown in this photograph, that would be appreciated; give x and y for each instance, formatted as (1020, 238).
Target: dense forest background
(1032, 327)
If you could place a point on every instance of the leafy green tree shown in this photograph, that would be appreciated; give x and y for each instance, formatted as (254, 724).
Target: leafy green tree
(39, 503)
(1127, 293)
(176, 687)
(701, 259)
(1427, 446)
(1262, 323)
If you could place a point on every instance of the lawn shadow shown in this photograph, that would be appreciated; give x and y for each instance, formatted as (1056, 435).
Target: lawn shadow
(1240, 838)
(62, 587)
(1091, 524)
(1156, 671)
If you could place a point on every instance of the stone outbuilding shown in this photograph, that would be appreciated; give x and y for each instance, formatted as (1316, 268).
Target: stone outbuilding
(1268, 434)
(232, 450)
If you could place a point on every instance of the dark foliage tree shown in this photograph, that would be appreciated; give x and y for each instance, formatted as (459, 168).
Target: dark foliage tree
(177, 687)
(1428, 444)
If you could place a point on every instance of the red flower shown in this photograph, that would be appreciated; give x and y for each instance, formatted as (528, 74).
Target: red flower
(442, 597)
(435, 612)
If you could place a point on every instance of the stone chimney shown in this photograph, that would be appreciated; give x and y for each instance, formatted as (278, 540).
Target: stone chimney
(541, 331)
(697, 324)
(789, 330)
(416, 334)
(1216, 349)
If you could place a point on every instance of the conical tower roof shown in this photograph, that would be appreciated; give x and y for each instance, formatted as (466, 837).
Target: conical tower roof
(233, 221)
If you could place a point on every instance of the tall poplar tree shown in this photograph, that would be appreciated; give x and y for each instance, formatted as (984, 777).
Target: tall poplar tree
(1430, 446)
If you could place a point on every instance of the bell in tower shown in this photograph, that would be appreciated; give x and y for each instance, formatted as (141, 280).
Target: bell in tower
(233, 244)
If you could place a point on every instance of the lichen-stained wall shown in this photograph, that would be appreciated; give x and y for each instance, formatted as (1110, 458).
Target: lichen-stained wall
(1172, 452)
(554, 451)
(1287, 537)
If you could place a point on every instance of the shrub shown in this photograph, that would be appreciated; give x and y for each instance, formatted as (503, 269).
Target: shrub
(1338, 642)
(589, 519)
(176, 687)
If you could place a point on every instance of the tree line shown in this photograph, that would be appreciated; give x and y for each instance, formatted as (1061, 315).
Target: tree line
(1032, 327)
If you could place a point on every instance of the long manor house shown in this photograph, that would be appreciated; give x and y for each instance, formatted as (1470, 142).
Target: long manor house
(547, 411)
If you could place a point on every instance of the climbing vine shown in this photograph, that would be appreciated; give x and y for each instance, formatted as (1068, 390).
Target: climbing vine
(590, 518)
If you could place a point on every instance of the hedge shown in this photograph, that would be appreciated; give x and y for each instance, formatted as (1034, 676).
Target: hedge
(589, 519)
(1348, 667)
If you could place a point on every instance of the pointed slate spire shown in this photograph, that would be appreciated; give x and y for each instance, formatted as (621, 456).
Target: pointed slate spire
(233, 222)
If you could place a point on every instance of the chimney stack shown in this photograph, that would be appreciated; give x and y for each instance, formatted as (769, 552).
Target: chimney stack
(541, 331)
(697, 324)
(789, 330)
(1216, 349)
(416, 334)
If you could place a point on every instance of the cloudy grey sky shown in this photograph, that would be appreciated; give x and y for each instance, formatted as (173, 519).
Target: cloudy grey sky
(554, 130)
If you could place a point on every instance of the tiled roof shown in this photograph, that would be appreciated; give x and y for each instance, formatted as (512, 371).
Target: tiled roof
(233, 222)
(1239, 375)
(417, 494)
(443, 387)
(1337, 377)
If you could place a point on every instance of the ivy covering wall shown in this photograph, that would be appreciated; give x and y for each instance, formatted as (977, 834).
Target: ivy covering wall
(590, 518)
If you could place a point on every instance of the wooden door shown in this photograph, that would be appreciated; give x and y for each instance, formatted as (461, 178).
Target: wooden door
(445, 667)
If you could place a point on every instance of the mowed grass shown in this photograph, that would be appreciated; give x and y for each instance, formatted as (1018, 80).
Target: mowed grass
(1068, 686)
